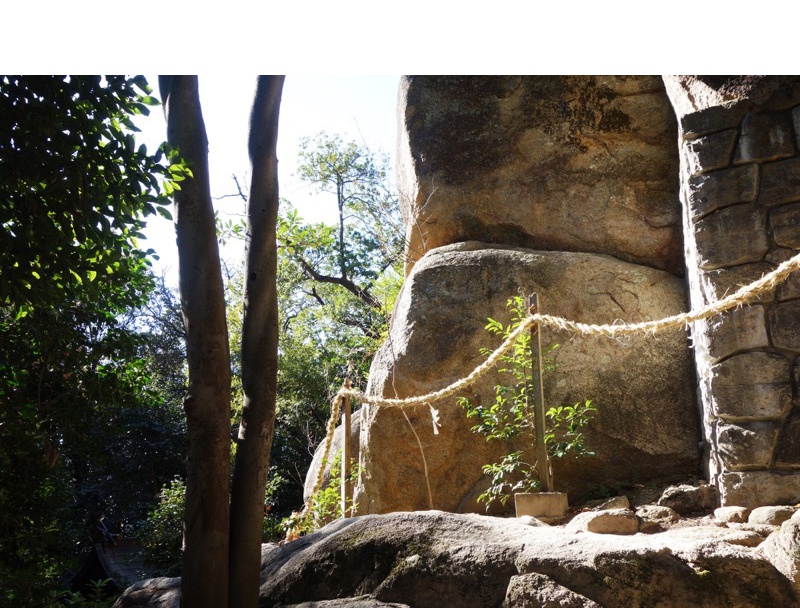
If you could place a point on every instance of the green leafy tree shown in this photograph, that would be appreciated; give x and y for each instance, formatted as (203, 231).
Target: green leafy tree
(336, 285)
(367, 239)
(74, 192)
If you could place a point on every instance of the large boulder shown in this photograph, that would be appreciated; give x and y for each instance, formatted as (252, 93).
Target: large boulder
(432, 559)
(569, 163)
(647, 425)
(439, 559)
(162, 592)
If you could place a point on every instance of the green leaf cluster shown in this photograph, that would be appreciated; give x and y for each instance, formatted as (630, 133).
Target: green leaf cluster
(511, 416)
(161, 534)
(85, 431)
(75, 189)
(324, 506)
(337, 283)
(367, 236)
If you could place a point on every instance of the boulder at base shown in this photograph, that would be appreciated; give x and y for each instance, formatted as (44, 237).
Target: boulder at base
(434, 559)
(646, 427)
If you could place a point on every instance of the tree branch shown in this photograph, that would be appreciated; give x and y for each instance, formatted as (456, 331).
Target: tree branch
(361, 294)
(316, 296)
(366, 329)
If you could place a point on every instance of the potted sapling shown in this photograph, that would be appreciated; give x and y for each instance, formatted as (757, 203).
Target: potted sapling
(518, 416)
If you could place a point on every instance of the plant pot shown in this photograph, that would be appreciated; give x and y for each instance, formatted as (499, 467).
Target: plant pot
(549, 507)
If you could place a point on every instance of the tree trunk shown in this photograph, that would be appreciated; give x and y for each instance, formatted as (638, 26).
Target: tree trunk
(259, 349)
(205, 554)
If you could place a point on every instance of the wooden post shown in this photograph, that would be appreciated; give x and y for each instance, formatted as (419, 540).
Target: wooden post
(346, 483)
(545, 472)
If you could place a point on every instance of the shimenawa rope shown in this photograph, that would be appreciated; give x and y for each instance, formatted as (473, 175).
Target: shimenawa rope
(743, 295)
(740, 297)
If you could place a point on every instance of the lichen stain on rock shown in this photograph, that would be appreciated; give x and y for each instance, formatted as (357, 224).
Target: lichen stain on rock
(471, 121)
(573, 105)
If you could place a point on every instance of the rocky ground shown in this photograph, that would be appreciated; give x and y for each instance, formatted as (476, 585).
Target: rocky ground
(611, 553)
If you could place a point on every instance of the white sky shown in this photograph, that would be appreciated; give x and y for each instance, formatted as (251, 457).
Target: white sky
(310, 37)
(360, 108)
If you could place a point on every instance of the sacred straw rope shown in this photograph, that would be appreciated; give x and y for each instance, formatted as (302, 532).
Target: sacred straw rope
(745, 294)
(328, 440)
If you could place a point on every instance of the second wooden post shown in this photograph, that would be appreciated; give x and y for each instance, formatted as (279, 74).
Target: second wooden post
(545, 472)
(347, 489)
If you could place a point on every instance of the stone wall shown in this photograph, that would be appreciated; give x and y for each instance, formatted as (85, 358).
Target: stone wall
(740, 186)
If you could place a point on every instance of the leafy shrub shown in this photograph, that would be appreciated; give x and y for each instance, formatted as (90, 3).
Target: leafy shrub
(161, 534)
(323, 507)
(95, 597)
(511, 415)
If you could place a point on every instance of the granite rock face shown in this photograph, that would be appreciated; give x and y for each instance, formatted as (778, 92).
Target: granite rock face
(646, 426)
(539, 591)
(441, 559)
(600, 166)
(563, 163)
(783, 549)
(434, 559)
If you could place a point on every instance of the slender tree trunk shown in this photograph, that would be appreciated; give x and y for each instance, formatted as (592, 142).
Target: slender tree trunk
(205, 554)
(259, 349)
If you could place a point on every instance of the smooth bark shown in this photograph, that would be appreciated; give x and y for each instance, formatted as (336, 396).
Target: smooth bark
(259, 349)
(205, 555)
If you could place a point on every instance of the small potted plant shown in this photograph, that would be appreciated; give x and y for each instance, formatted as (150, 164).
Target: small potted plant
(512, 417)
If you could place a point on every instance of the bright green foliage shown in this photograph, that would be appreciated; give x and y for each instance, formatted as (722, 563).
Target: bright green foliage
(317, 351)
(324, 506)
(272, 530)
(337, 283)
(367, 238)
(83, 433)
(74, 188)
(511, 416)
(162, 532)
(564, 435)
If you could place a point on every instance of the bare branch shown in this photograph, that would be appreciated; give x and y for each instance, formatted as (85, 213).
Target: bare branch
(360, 293)
(239, 191)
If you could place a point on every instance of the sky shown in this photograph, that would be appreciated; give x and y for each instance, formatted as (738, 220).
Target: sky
(359, 108)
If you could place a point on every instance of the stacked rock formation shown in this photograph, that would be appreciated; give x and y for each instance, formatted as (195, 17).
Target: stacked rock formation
(740, 178)
(559, 163)
(502, 180)
(566, 186)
